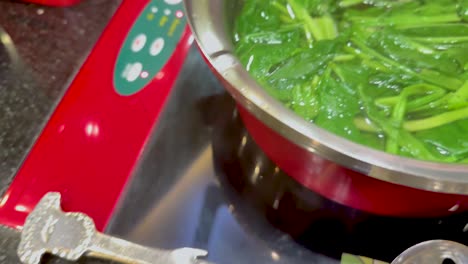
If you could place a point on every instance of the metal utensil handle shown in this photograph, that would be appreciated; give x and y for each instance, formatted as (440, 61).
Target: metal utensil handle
(115, 249)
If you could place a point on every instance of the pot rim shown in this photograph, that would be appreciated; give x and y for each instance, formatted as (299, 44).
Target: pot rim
(206, 20)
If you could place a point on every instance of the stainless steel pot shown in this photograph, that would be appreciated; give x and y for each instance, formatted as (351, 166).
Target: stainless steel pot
(344, 171)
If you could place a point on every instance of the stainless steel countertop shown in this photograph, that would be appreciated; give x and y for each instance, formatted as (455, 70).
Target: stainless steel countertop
(175, 199)
(202, 182)
(41, 48)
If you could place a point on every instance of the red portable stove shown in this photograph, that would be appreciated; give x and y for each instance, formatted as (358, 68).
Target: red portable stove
(91, 143)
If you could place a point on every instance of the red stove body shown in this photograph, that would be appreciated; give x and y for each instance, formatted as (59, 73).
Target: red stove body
(92, 141)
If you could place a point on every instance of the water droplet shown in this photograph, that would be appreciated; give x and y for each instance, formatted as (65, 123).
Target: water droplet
(264, 15)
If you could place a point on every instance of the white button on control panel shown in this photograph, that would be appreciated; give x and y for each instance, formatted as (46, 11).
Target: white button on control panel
(157, 46)
(139, 42)
(134, 72)
(173, 2)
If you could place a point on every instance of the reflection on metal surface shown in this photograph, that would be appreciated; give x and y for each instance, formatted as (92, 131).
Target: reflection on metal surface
(434, 252)
(275, 256)
(180, 204)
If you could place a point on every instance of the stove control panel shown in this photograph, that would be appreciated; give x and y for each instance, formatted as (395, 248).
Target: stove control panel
(149, 44)
(93, 140)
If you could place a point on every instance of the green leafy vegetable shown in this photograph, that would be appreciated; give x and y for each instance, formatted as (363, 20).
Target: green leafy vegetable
(388, 74)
